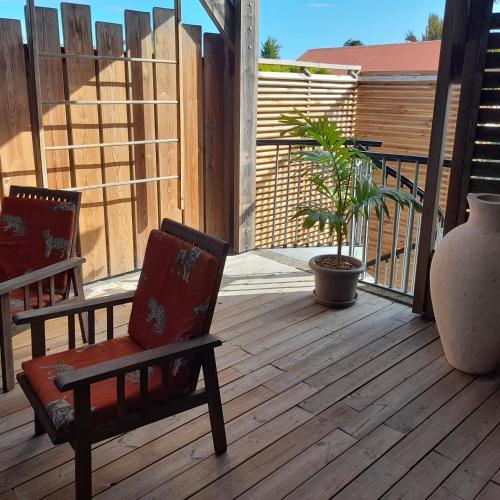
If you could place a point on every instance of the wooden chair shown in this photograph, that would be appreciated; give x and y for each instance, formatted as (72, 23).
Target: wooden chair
(38, 267)
(148, 375)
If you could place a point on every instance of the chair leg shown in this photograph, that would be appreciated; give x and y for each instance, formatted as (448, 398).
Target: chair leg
(214, 403)
(6, 354)
(83, 317)
(83, 469)
(39, 428)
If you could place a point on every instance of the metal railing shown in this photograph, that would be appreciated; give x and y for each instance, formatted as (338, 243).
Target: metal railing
(388, 246)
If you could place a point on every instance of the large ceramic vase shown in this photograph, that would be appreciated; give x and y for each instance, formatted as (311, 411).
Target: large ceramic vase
(465, 288)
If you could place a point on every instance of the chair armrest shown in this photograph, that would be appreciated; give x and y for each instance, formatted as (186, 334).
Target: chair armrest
(40, 274)
(68, 308)
(109, 369)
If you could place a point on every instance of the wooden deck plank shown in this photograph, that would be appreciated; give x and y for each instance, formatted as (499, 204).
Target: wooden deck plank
(395, 464)
(394, 376)
(474, 473)
(422, 480)
(290, 446)
(386, 414)
(382, 409)
(350, 464)
(490, 492)
(472, 431)
(385, 357)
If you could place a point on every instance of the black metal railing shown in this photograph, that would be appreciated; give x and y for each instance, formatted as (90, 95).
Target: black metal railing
(388, 247)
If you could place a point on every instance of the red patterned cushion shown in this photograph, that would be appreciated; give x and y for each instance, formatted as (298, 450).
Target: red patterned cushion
(34, 233)
(41, 373)
(172, 297)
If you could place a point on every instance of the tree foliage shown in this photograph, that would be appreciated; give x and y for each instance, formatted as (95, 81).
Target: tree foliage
(433, 30)
(410, 36)
(353, 43)
(338, 173)
(271, 49)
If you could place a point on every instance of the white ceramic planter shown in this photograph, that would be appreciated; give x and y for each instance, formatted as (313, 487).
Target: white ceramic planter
(465, 288)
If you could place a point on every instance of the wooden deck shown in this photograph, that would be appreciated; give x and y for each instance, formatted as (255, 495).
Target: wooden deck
(353, 404)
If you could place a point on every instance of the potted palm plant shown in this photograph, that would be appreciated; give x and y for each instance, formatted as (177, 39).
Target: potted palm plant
(337, 171)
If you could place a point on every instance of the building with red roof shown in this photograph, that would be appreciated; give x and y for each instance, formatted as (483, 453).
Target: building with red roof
(408, 57)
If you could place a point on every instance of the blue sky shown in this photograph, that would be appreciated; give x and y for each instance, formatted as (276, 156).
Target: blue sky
(297, 24)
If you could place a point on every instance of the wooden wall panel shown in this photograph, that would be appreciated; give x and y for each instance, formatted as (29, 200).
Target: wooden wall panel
(139, 44)
(52, 89)
(17, 165)
(192, 108)
(219, 154)
(116, 160)
(81, 80)
(166, 88)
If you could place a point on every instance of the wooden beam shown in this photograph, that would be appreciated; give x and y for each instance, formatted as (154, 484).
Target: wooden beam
(436, 158)
(245, 124)
(468, 113)
(222, 13)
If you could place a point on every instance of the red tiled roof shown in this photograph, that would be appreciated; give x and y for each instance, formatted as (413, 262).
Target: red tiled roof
(407, 57)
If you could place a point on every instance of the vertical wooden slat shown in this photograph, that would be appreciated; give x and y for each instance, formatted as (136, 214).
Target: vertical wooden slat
(116, 160)
(139, 44)
(193, 131)
(109, 323)
(16, 147)
(52, 89)
(71, 331)
(81, 81)
(91, 319)
(218, 160)
(165, 47)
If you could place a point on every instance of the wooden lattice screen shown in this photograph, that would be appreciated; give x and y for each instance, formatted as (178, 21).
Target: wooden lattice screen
(112, 123)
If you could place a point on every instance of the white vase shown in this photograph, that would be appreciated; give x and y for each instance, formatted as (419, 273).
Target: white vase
(465, 288)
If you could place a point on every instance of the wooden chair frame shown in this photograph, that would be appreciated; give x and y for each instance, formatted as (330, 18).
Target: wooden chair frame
(83, 433)
(72, 266)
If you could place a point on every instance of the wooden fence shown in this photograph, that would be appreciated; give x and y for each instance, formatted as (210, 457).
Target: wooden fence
(281, 93)
(394, 109)
(113, 124)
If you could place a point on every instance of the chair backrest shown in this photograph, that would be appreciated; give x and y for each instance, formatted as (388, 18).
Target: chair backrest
(38, 227)
(177, 293)
(58, 195)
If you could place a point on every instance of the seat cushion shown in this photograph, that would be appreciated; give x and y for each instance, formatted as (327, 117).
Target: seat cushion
(172, 298)
(35, 233)
(41, 373)
(16, 300)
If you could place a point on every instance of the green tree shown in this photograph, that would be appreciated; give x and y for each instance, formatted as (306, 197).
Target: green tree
(337, 176)
(270, 49)
(410, 36)
(353, 43)
(434, 29)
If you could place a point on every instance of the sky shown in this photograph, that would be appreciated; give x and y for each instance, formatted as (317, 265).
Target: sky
(297, 24)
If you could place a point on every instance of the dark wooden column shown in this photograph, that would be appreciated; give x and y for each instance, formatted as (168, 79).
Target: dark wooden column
(450, 68)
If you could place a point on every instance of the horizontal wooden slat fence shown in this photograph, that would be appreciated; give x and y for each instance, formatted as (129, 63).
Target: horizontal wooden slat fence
(281, 93)
(108, 117)
(395, 109)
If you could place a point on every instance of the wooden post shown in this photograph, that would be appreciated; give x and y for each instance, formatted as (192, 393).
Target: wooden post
(468, 112)
(447, 68)
(238, 21)
(245, 123)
